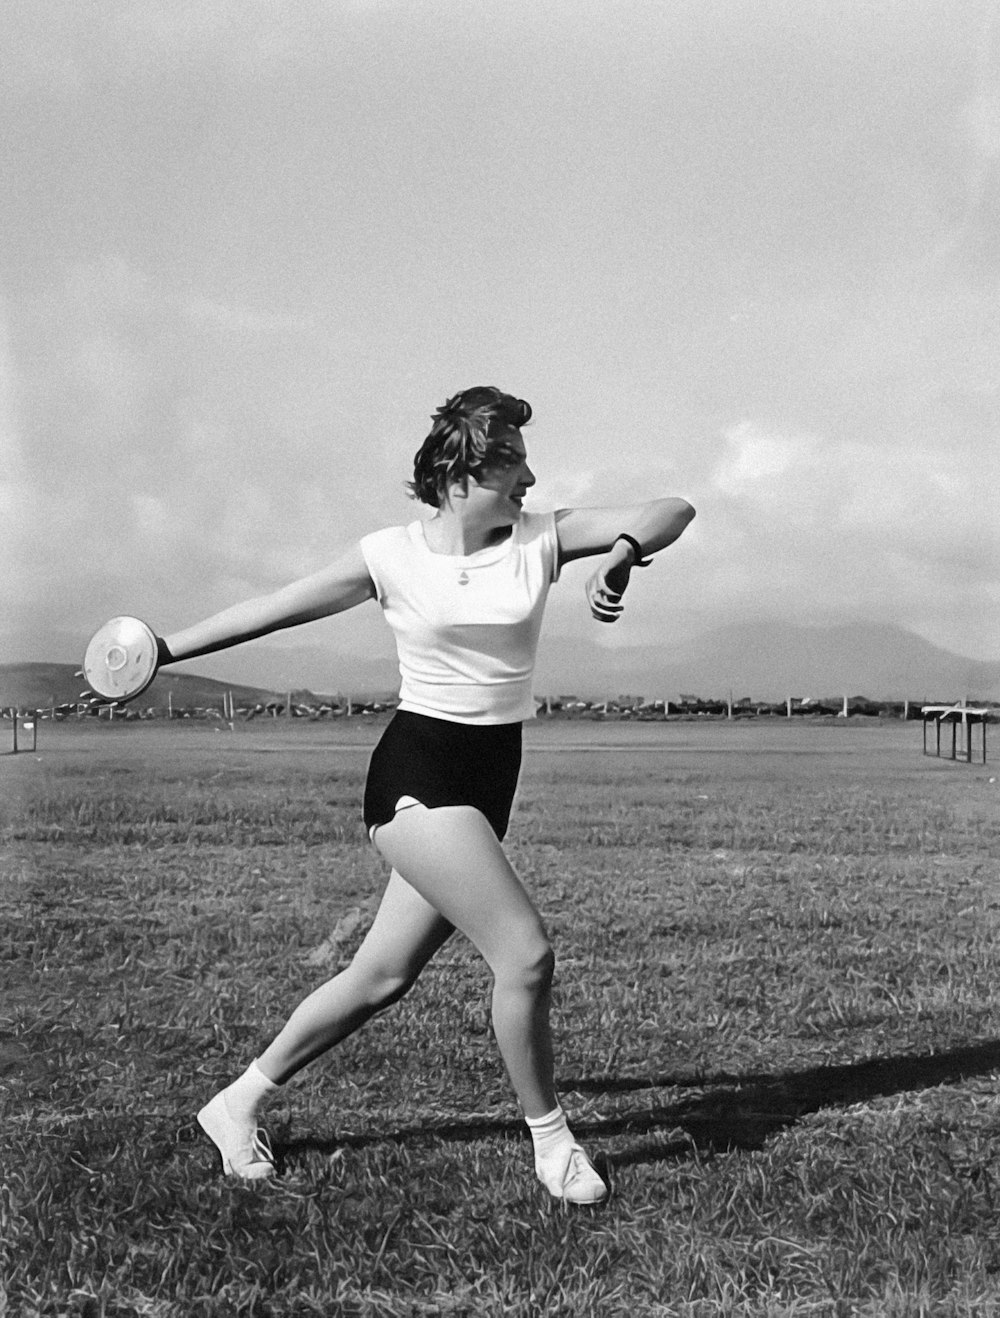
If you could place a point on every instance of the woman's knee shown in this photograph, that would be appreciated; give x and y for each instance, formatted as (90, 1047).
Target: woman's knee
(528, 963)
(380, 986)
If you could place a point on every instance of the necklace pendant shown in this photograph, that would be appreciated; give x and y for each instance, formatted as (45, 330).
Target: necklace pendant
(463, 578)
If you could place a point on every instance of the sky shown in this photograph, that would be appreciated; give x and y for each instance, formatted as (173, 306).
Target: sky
(745, 253)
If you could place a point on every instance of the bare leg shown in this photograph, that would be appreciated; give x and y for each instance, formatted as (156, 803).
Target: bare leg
(456, 877)
(404, 935)
(452, 858)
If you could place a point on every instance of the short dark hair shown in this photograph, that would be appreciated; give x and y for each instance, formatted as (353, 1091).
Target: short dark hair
(459, 441)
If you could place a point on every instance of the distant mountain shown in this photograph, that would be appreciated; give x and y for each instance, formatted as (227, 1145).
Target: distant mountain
(37, 686)
(771, 660)
(764, 660)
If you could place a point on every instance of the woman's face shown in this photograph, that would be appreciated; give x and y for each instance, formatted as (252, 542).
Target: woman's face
(504, 479)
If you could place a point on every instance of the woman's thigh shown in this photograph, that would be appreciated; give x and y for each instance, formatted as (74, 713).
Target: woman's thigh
(452, 858)
(405, 934)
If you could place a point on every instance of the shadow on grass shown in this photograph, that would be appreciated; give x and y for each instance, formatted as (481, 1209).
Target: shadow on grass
(744, 1111)
(730, 1111)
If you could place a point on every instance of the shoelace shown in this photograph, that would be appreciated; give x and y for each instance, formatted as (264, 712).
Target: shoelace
(261, 1147)
(580, 1172)
(578, 1168)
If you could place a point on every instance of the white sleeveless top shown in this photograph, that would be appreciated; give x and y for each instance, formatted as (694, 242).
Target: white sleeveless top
(466, 627)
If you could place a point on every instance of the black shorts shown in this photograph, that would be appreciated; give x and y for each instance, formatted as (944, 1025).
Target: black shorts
(437, 762)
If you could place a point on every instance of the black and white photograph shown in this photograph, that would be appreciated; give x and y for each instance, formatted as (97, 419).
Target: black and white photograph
(500, 659)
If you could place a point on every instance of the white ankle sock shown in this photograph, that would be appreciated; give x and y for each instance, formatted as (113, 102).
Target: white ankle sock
(550, 1135)
(246, 1095)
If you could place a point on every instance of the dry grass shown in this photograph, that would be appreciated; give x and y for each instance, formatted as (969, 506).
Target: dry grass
(777, 1011)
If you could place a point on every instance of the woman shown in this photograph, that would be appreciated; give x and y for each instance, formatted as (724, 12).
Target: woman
(464, 593)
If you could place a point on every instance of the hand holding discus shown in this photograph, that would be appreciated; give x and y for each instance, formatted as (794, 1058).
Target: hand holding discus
(122, 659)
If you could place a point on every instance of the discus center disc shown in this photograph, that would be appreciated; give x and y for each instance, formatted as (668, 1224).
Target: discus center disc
(117, 658)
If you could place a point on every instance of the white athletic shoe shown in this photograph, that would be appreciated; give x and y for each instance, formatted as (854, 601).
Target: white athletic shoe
(574, 1179)
(245, 1150)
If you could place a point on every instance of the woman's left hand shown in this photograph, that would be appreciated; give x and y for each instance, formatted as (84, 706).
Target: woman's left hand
(608, 584)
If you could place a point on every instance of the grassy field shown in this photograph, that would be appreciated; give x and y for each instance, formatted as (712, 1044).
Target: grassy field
(777, 1012)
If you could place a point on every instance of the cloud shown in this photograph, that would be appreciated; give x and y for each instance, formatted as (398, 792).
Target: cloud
(15, 492)
(764, 465)
(231, 318)
(251, 244)
(182, 455)
(824, 530)
(151, 517)
(61, 47)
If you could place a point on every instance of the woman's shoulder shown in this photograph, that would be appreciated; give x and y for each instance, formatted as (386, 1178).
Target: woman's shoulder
(532, 525)
(391, 537)
(536, 528)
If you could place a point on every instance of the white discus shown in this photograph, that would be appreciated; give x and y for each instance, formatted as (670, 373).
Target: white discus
(121, 659)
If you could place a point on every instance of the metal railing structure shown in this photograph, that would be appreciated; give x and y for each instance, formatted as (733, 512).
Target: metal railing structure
(959, 716)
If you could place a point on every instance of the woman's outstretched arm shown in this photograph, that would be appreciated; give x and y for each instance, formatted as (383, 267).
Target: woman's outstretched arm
(342, 585)
(584, 532)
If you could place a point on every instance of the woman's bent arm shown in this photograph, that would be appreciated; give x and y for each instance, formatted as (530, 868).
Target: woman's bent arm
(342, 585)
(586, 531)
